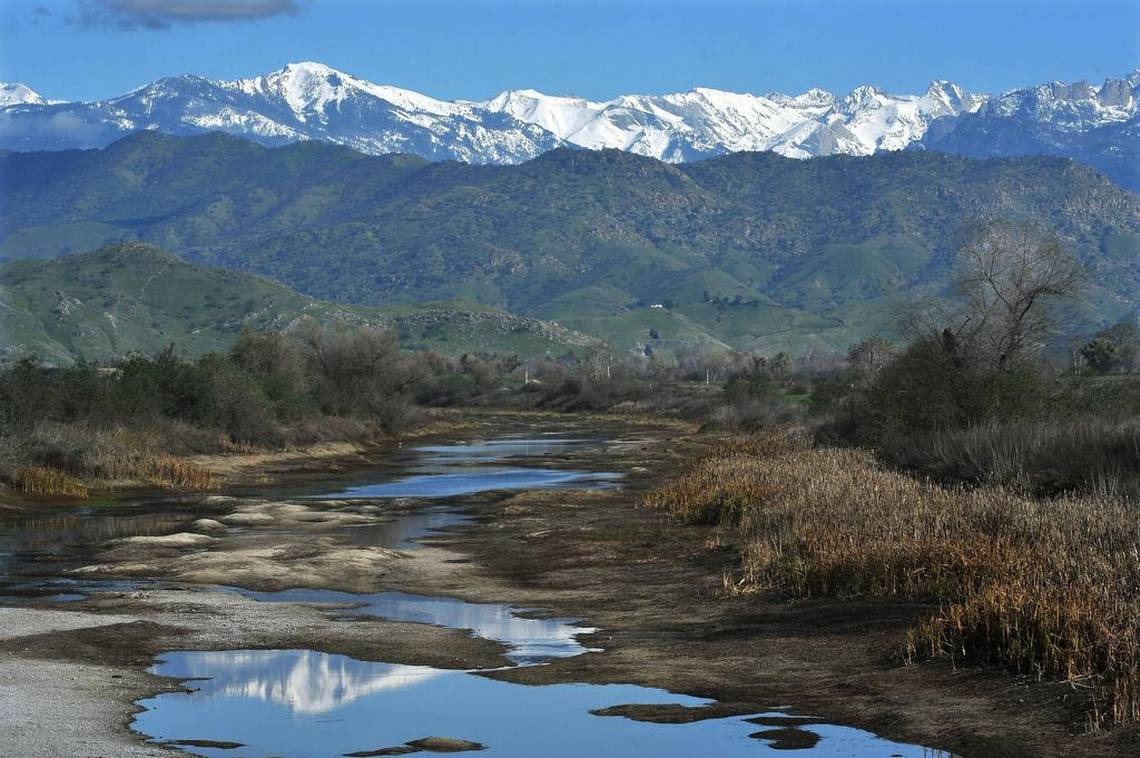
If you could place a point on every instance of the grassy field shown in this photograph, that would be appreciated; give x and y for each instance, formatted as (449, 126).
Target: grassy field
(1049, 588)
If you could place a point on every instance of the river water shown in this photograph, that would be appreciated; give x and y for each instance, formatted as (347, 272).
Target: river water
(309, 703)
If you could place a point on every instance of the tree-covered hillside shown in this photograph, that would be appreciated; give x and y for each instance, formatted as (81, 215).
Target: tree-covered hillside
(133, 297)
(750, 249)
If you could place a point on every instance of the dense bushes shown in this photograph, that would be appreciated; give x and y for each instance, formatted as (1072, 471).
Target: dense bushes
(1040, 457)
(132, 421)
(249, 395)
(934, 384)
(942, 410)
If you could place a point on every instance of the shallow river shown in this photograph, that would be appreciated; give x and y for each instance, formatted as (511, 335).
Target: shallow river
(309, 703)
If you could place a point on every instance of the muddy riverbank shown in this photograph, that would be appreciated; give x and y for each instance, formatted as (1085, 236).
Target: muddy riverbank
(653, 589)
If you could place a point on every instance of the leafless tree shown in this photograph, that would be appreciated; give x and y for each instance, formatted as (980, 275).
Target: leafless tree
(868, 357)
(1011, 278)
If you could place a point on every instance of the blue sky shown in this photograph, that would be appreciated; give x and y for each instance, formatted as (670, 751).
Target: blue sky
(89, 49)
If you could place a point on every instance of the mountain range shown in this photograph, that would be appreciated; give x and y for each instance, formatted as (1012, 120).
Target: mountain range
(751, 250)
(1094, 124)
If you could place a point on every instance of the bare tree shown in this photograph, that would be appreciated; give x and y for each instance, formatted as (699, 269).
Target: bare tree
(1011, 278)
(867, 358)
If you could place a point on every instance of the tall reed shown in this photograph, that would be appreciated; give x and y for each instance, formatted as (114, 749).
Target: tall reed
(59, 459)
(1046, 587)
(44, 480)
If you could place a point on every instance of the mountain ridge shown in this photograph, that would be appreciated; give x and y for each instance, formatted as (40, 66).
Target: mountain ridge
(312, 101)
(750, 249)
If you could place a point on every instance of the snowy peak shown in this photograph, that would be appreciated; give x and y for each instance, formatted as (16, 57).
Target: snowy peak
(953, 98)
(305, 87)
(1119, 93)
(1075, 107)
(1093, 124)
(706, 121)
(813, 98)
(308, 100)
(561, 116)
(864, 97)
(15, 93)
(310, 89)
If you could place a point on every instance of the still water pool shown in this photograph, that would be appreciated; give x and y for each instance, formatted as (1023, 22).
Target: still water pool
(305, 703)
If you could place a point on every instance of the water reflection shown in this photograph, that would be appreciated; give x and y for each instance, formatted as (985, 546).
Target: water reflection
(55, 534)
(505, 447)
(442, 482)
(529, 640)
(301, 680)
(405, 530)
(35, 545)
(302, 703)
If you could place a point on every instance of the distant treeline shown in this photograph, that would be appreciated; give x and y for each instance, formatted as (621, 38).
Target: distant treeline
(939, 407)
(969, 400)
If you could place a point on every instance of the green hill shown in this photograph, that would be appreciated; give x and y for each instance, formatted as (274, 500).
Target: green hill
(134, 297)
(818, 251)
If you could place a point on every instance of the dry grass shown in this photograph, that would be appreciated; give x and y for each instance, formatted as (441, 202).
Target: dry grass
(1045, 587)
(69, 460)
(1099, 456)
(156, 469)
(44, 480)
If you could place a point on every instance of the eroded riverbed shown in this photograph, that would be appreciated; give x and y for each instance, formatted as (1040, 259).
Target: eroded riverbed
(302, 702)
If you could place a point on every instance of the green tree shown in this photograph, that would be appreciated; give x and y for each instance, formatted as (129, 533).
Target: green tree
(1100, 353)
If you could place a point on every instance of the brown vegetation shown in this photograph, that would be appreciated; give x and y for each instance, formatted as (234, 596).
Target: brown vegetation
(44, 480)
(1050, 588)
(1088, 454)
(68, 460)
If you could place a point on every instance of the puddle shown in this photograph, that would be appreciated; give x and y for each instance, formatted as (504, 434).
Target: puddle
(304, 703)
(508, 447)
(529, 640)
(442, 483)
(405, 531)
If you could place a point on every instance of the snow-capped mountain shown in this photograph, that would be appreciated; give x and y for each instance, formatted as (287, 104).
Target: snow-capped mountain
(311, 101)
(15, 93)
(1071, 107)
(303, 101)
(704, 122)
(1097, 125)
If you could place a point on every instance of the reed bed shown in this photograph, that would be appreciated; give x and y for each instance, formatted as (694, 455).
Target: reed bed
(1091, 455)
(44, 480)
(56, 459)
(157, 469)
(1047, 587)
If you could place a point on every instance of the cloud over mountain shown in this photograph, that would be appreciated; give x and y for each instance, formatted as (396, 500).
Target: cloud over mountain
(162, 14)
